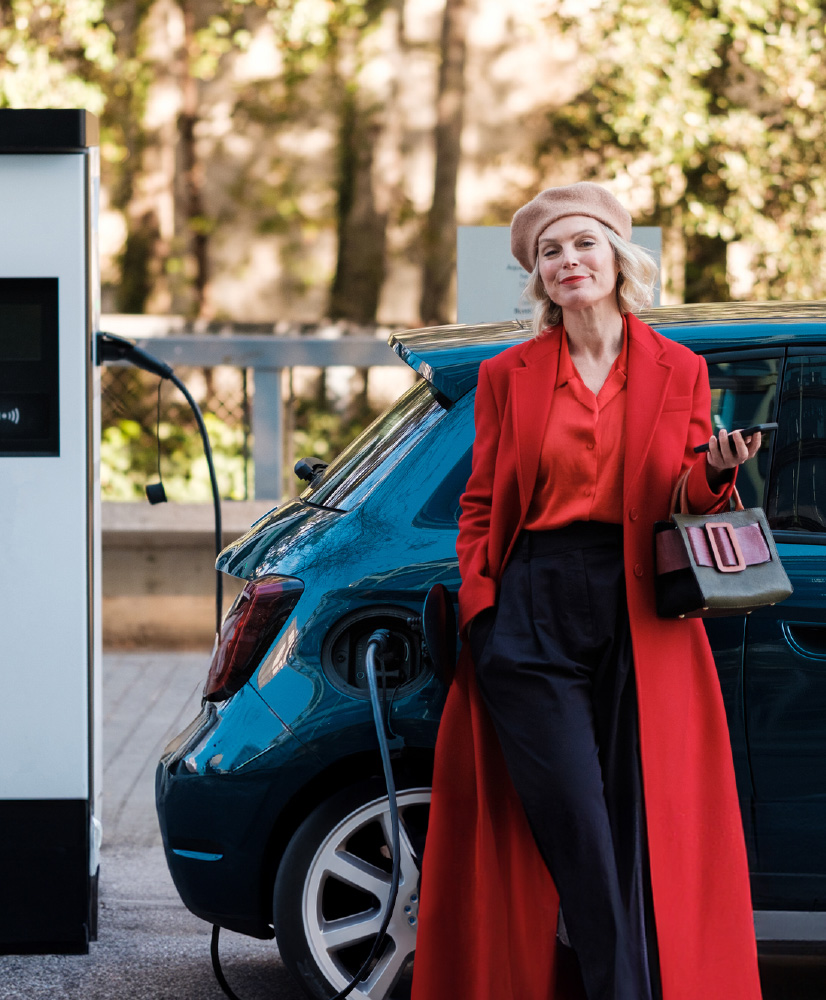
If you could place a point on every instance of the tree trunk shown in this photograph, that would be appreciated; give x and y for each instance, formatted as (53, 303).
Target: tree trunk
(440, 230)
(136, 260)
(192, 174)
(362, 230)
(706, 279)
(672, 271)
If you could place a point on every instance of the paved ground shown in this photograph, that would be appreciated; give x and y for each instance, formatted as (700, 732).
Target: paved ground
(150, 947)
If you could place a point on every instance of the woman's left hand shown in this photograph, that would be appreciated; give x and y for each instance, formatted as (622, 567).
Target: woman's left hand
(725, 451)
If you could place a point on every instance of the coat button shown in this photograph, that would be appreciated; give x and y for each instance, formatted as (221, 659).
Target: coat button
(633, 513)
(638, 570)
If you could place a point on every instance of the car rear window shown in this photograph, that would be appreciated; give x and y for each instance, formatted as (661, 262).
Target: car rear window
(378, 449)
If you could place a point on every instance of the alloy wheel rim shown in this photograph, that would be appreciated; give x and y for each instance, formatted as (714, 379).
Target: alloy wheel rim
(340, 859)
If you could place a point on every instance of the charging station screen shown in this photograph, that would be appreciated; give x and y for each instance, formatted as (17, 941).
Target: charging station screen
(21, 335)
(29, 369)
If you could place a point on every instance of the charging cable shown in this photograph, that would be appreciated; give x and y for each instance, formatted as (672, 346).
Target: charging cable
(113, 348)
(110, 347)
(377, 647)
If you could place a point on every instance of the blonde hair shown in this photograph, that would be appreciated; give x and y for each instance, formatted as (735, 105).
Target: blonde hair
(638, 274)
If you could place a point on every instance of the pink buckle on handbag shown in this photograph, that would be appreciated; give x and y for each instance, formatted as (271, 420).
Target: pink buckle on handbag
(727, 529)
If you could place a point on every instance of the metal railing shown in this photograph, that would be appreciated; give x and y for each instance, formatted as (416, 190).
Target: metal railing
(267, 356)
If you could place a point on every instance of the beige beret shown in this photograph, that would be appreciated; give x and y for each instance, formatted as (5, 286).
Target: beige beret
(583, 198)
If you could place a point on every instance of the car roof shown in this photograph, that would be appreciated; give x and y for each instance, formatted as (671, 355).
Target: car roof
(449, 356)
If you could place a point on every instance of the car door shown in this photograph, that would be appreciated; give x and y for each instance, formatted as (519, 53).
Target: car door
(743, 392)
(785, 661)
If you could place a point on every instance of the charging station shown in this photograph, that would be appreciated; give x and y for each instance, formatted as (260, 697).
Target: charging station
(50, 636)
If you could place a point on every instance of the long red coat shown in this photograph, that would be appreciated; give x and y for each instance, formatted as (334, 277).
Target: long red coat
(489, 908)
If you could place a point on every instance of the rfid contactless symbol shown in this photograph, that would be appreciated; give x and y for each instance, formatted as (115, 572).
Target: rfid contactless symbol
(12, 415)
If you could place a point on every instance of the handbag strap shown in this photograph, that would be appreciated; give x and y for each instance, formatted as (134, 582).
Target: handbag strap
(679, 498)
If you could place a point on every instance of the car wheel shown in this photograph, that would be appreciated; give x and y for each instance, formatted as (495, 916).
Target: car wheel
(332, 889)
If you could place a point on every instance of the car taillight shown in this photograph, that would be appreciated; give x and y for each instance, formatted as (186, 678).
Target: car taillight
(257, 615)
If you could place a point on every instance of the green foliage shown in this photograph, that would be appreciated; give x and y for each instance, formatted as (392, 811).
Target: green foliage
(126, 61)
(719, 107)
(129, 460)
(55, 54)
(129, 456)
(311, 30)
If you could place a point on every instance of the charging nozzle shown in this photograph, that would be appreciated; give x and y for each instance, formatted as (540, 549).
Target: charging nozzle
(380, 638)
(155, 493)
(111, 347)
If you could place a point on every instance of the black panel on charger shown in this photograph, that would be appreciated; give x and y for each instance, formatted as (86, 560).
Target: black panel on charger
(44, 873)
(29, 367)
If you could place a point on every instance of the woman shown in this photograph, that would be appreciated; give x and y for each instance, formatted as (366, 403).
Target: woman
(583, 756)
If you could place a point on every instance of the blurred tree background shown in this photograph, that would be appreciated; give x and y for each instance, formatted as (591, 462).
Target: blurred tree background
(299, 161)
(293, 160)
(717, 108)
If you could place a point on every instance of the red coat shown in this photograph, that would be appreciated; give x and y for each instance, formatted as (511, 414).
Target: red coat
(489, 908)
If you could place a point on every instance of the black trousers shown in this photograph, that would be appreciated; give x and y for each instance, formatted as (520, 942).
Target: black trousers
(554, 667)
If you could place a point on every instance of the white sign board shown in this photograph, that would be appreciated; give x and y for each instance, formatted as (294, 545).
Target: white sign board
(491, 282)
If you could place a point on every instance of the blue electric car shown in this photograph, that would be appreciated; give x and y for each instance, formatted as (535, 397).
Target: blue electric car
(271, 802)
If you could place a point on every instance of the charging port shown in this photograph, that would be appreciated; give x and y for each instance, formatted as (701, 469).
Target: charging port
(344, 651)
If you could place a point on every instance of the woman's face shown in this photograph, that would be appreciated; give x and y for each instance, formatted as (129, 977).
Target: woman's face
(576, 263)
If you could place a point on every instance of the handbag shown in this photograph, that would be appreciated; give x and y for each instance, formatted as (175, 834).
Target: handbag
(710, 565)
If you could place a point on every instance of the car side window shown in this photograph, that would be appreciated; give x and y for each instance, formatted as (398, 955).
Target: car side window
(797, 493)
(743, 392)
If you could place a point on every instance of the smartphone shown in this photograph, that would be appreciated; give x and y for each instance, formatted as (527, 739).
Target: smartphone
(745, 431)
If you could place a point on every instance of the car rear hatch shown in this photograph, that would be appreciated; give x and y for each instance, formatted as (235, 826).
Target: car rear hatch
(449, 356)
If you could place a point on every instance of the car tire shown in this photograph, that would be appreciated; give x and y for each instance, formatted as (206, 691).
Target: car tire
(332, 888)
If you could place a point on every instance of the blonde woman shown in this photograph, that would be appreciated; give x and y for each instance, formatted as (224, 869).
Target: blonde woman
(584, 788)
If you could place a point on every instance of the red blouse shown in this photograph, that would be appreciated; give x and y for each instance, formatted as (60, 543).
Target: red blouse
(583, 449)
(580, 476)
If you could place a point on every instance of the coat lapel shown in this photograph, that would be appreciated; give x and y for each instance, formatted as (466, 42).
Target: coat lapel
(647, 386)
(531, 389)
